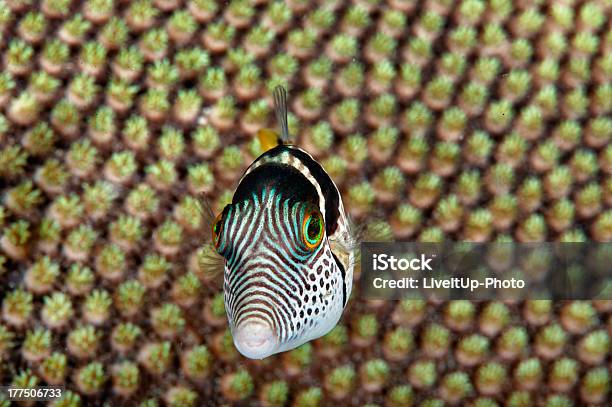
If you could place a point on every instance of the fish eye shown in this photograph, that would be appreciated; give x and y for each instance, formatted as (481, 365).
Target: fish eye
(216, 230)
(312, 229)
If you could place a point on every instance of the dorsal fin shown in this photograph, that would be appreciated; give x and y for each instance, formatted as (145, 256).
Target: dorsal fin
(280, 109)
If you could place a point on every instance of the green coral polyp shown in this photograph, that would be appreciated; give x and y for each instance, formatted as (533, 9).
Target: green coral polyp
(479, 121)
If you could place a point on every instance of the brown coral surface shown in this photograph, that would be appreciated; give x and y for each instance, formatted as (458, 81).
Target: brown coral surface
(474, 120)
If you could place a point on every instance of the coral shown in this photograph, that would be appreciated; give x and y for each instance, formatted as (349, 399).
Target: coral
(459, 120)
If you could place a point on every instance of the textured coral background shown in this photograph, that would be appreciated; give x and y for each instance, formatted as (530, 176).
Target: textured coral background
(439, 119)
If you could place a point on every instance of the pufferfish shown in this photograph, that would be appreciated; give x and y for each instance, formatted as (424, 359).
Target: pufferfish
(287, 248)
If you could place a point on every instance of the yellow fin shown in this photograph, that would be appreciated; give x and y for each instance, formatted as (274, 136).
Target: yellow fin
(268, 139)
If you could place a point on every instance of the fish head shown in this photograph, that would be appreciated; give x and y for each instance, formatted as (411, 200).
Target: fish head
(281, 283)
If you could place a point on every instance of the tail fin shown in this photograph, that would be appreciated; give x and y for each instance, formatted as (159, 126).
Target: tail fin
(280, 109)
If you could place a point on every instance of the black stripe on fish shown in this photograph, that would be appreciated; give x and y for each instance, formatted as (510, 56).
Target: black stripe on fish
(328, 188)
(286, 180)
(343, 274)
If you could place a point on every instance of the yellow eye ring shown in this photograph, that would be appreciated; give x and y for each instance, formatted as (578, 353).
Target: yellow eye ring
(312, 230)
(216, 230)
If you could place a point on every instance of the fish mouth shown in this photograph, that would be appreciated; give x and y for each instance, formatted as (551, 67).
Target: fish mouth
(255, 339)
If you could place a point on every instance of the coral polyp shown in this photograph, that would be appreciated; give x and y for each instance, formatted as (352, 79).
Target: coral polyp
(438, 120)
